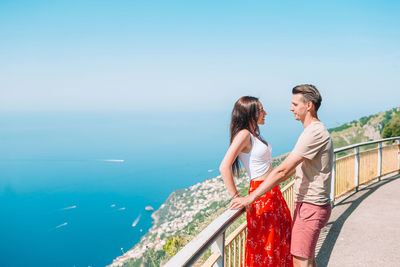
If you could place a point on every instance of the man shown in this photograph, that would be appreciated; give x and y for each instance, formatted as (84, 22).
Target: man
(312, 160)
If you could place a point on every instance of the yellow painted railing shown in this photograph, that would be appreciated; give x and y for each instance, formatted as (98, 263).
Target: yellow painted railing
(348, 173)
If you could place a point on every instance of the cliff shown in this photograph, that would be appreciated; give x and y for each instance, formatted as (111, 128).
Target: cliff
(185, 213)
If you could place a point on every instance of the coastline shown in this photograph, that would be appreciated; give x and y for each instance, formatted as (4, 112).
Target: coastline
(181, 209)
(176, 213)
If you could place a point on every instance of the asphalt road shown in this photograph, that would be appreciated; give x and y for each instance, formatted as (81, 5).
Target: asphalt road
(364, 228)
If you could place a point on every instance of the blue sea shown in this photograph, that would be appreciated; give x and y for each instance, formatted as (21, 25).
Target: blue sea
(65, 201)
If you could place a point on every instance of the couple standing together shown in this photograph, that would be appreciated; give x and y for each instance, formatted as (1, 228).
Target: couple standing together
(272, 239)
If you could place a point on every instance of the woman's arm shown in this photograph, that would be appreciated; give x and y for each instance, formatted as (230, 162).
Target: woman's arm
(239, 143)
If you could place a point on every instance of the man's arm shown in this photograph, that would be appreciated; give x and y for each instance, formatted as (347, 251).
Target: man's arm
(278, 175)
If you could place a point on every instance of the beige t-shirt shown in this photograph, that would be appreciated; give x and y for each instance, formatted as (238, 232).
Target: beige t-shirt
(313, 175)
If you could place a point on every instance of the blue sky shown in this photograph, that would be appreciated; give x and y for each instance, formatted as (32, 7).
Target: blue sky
(197, 55)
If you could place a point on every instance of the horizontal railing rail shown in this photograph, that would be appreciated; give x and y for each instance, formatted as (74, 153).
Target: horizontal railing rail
(367, 143)
(195, 248)
(346, 173)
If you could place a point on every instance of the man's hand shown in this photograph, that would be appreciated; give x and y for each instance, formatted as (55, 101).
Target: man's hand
(240, 203)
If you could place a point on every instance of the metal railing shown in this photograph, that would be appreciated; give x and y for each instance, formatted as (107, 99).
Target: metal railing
(350, 170)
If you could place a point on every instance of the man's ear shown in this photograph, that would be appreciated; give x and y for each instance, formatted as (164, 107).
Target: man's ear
(309, 105)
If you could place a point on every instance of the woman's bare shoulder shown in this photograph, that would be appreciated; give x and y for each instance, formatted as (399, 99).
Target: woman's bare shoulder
(242, 134)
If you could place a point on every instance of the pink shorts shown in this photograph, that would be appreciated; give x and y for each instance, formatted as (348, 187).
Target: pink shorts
(308, 220)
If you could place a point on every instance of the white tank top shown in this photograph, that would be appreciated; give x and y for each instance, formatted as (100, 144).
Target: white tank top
(258, 161)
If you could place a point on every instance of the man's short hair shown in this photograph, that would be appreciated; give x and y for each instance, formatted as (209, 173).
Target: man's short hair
(309, 93)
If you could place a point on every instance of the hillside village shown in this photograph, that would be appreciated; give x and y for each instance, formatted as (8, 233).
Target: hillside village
(178, 212)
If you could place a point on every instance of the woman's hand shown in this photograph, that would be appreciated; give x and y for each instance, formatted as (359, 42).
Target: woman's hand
(240, 203)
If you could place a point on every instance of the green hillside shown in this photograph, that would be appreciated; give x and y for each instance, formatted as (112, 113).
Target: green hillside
(365, 129)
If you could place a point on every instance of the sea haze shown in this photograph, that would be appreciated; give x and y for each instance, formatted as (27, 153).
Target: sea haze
(72, 184)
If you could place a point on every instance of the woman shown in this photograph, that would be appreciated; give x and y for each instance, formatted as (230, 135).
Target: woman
(268, 218)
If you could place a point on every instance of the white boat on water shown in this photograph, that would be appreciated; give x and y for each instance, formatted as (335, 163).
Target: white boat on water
(69, 208)
(135, 222)
(114, 160)
(149, 208)
(61, 225)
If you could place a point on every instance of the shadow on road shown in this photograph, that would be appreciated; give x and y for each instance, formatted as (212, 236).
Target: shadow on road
(329, 236)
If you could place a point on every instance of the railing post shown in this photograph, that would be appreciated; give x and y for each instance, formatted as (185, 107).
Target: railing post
(333, 180)
(398, 153)
(219, 247)
(379, 161)
(357, 167)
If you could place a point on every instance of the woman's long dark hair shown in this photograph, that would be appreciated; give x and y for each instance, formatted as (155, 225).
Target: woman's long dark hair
(245, 114)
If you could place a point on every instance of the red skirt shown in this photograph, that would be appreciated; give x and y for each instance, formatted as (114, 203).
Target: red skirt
(269, 227)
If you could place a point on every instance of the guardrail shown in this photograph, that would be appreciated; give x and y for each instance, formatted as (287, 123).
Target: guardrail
(350, 170)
